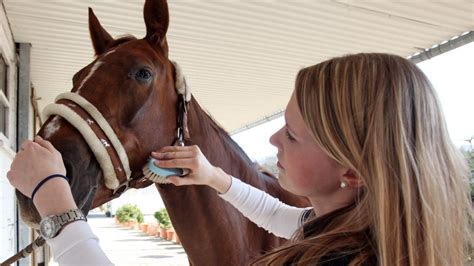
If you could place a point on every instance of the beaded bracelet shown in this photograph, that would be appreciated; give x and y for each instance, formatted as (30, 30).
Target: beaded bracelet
(41, 183)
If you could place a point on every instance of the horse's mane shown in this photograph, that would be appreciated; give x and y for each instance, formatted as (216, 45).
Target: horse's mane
(213, 126)
(120, 40)
(209, 126)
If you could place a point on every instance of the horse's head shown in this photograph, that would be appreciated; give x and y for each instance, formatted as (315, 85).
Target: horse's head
(131, 84)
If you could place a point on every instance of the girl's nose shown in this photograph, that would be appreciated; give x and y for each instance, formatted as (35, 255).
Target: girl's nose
(275, 138)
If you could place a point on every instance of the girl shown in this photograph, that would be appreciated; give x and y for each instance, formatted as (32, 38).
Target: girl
(365, 141)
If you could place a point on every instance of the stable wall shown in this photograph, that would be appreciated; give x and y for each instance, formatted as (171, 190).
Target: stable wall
(8, 219)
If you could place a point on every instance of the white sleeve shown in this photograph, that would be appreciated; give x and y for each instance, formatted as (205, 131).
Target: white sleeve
(77, 245)
(264, 210)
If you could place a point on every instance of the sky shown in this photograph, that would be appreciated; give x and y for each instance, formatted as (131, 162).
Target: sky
(452, 75)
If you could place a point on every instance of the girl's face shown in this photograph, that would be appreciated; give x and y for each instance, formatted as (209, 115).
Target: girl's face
(304, 169)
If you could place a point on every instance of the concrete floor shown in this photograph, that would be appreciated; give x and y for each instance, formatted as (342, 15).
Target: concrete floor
(132, 247)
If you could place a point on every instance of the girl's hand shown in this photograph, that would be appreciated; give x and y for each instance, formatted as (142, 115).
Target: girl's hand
(201, 171)
(35, 161)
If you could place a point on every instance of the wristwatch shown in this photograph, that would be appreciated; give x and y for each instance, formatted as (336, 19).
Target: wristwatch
(51, 225)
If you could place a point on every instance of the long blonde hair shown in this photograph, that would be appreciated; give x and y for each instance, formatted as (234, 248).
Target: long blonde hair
(379, 115)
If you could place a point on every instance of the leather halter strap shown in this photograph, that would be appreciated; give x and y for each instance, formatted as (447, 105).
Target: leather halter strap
(98, 134)
(181, 129)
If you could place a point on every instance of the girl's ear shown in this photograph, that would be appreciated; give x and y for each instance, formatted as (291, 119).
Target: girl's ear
(352, 179)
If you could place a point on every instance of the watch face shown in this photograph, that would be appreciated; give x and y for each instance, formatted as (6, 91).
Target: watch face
(48, 228)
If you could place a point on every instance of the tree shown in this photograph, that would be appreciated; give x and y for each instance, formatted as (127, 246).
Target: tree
(468, 153)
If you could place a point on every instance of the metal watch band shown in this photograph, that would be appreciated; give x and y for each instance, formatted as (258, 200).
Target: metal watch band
(69, 216)
(50, 226)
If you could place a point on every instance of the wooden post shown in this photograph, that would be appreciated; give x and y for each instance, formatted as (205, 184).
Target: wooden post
(23, 131)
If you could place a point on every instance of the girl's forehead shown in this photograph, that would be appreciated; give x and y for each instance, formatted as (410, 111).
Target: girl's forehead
(293, 117)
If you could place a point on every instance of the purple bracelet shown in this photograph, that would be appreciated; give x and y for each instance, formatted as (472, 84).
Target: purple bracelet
(41, 183)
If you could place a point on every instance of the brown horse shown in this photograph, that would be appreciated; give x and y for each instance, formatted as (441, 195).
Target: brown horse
(132, 84)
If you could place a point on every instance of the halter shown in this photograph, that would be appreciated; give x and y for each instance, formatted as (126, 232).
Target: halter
(101, 138)
(104, 143)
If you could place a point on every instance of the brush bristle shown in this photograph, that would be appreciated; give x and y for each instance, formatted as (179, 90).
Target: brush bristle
(154, 177)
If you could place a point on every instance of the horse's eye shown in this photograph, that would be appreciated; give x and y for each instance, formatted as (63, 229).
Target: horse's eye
(143, 74)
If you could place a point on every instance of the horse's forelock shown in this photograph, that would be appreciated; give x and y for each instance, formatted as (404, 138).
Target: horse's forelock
(119, 41)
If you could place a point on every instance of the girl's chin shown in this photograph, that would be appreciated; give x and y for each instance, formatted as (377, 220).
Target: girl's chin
(281, 179)
(281, 173)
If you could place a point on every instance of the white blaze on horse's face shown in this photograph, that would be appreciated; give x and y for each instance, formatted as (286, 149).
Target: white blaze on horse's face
(94, 68)
(51, 127)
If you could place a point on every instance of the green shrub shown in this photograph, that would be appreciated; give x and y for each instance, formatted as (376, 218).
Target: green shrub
(140, 217)
(129, 213)
(162, 217)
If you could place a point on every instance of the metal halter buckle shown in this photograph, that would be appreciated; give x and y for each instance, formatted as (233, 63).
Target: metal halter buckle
(122, 188)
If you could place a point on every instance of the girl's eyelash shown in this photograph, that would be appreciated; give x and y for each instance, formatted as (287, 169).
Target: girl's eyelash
(289, 136)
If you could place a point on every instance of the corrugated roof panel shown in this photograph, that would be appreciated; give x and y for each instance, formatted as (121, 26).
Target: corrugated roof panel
(240, 57)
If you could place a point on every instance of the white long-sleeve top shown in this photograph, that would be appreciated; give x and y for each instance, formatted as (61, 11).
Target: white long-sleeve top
(264, 210)
(77, 245)
(77, 242)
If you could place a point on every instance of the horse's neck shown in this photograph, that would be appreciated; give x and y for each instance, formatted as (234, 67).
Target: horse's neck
(198, 214)
(218, 147)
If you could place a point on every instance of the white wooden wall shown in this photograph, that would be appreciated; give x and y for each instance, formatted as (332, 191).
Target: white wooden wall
(7, 144)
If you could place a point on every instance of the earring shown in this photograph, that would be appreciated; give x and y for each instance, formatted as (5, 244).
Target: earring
(343, 184)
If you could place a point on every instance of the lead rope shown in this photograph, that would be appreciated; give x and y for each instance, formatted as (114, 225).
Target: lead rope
(39, 241)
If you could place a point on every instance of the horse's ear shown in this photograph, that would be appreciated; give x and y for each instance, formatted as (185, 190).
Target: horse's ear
(100, 38)
(156, 20)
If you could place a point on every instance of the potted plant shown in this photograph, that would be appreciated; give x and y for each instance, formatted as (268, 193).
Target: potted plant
(129, 215)
(177, 240)
(152, 229)
(144, 227)
(170, 234)
(163, 219)
(122, 216)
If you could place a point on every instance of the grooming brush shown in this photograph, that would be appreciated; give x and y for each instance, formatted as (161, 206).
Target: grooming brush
(160, 175)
